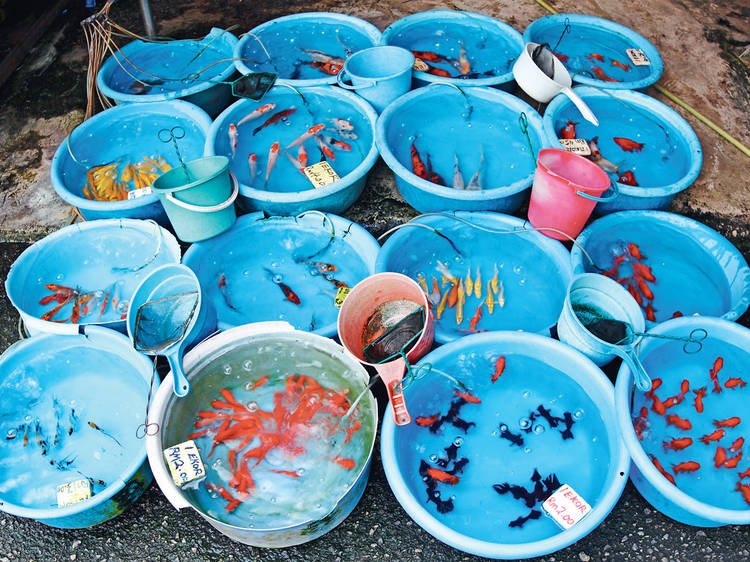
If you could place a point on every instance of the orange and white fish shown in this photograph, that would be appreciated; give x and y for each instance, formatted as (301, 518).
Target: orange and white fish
(257, 113)
(302, 155)
(335, 143)
(324, 148)
(273, 155)
(233, 138)
(344, 128)
(311, 132)
(462, 64)
(295, 162)
(252, 162)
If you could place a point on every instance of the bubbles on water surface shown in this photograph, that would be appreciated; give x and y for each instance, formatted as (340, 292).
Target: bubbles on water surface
(458, 441)
(539, 429)
(11, 434)
(247, 365)
(503, 427)
(524, 423)
(578, 414)
(527, 450)
(227, 369)
(251, 406)
(433, 458)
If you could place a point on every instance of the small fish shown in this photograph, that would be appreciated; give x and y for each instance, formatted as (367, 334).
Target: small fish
(676, 314)
(441, 306)
(714, 374)
(627, 178)
(438, 72)
(678, 444)
(463, 65)
(490, 300)
(443, 269)
(468, 282)
(478, 284)
(745, 474)
(426, 421)
(501, 295)
(650, 312)
(729, 422)
(310, 133)
(423, 284)
(689, 466)
(715, 436)
(475, 183)
(302, 156)
(644, 289)
(737, 445)
(600, 74)
(336, 143)
(442, 476)
(514, 438)
(73, 421)
(493, 283)
(233, 138)
(417, 166)
(458, 179)
(476, 318)
(324, 148)
(460, 303)
(252, 163)
(257, 113)
(341, 124)
(96, 427)
(322, 266)
(331, 68)
(430, 56)
(320, 56)
(273, 155)
(660, 468)
(63, 464)
(499, 368)
(468, 397)
(720, 457)
(561, 57)
(732, 462)
(296, 163)
(286, 473)
(348, 464)
(658, 406)
(569, 130)
(275, 118)
(289, 295)
(734, 382)
(656, 382)
(679, 422)
(644, 271)
(618, 64)
(744, 490)
(434, 296)
(453, 295)
(595, 56)
(433, 176)
(628, 145)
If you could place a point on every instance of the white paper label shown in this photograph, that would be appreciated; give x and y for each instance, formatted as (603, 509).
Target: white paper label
(73, 492)
(638, 57)
(566, 507)
(577, 146)
(140, 192)
(185, 463)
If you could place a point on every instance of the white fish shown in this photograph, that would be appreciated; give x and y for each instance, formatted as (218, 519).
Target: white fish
(302, 155)
(320, 56)
(257, 113)
(252, 162)
(296, 163)
(475, 182)
(273, 155)
(458, 179)
(233, 138)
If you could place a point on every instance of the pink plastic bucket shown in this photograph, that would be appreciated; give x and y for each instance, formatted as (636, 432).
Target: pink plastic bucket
(566, 189)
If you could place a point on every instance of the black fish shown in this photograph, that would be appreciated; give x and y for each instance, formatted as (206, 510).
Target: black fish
(514, 438)
(547, 415)
(433, 494)
(568, 421)
(74, 421)
(451, 452)
(518, 492)
(458, 466)
(63, 464)
(521, 521)
(543, 488)
(452, 417)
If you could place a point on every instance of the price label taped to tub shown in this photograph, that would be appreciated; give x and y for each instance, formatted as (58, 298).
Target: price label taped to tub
(576, 146)
(566, 507)
(321, 174)
(420, 65)
(185, 462)
(73, 492)
(638, 57)
(140, 192)
(340, 296)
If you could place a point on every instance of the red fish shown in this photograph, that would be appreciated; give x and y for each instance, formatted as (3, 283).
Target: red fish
(684, 388)
(618, 64)
(729, 422)
(425, 421)
(324, 148)
(260, 382)
(714, 374)
(290, 295)
(639, 424)
(689, 466)
(658, 406)
(336, 143)
(650, 312)
(732, 462)
(745, 474)
(627, 178)
(732, 383)
(672, 401)
(476, 318)
(348, 464)
(744, 489)
(499, 368)
(569, 130)
(644, 271)
(628, 145)
(715, 436)
(660, 468)
(331, 68)
(595, 56)
(655, 384)
(310, 133)
(468, 397)
(678, 444)
(601, 75)
(302, 155)
(635, 294)
(429, 56)
(563, 58)
(635, 251)
(700, 394)
(678, 422)
(442, 476)
(417, 166)
(677, 314)
(275, 118)
(225, 495)
(438, 72)
(737, 445)
(351, 431)
(286, 473)
(720, 457)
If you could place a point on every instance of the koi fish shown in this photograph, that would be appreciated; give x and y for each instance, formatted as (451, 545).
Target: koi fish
(324, 148)
(678, 444)
(714, 374)
(468, 397)
(332, 68)
(96, 427)
(275, 118)
(296, 163)
(438, 72)
(257, 113)
(478, 284)
(663, 472)
(273, 155)
(442, 476)
(734, 382)
(432, 176)
(341, 124)
(233, 137)
(628, 145)
(744, 490)
(458, 179)
(601, 75)
(426, 421)
(729, 422)
(490, 300)
(678, 422)
(627, 178)
(732, 462)
(618, 64)
(320, 56)
(476, 318)
(460, 303)
(689, 466)
(595, 56)
(311, 132)
(737, 445)
(700, 394)
(720, 457)
(499, 368)
(336, 144)
(289, 295)
(650, 312)
(302, 156)
(429, 56)
(475, 183)
(252, 163)
(569, 130)
(715, 436)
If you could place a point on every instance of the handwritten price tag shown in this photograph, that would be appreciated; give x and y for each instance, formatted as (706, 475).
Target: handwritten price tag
(73, 492)
(340, 296)
(577, 146)
(140, 192)
(321, 174)
(420, 65)
(566, 507)
(185, 463)
(638, 57)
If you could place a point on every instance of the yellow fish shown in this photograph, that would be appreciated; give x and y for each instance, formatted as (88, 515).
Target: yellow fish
(494, 281)
(469, 284)
(490, 300)
(423, 284)
(441, 306)
(460, 303)
(478, 284)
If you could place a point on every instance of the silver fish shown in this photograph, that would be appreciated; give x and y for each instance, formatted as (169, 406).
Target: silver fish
(458, 179)
(475, 183)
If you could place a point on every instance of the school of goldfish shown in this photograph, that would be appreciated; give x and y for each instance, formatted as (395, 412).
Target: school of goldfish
(637, 283)
(82, 303)
(106, 183)
(597, 70)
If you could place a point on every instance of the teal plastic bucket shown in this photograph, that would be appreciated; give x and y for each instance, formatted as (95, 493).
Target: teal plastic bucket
(198, 198)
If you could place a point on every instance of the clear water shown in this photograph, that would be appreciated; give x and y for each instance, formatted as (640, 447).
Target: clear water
(534, 282)
(250, 293)
(286, 40)
(443, 124)
(673, 258)
(100, 387)
(664, 158)
(712, 485)
(279, 500)
(315, 109)
(480, 512)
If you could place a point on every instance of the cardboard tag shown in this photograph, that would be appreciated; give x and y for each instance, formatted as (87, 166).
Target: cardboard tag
(638, 57)
(340, 296)
(321, 174)
(73, 492)
(140, 192)
(420, 65)
(566, 507)
(577, 146)
(185, 463)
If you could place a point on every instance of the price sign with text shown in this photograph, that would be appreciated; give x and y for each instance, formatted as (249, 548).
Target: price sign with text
(566, 507)
(638, 57)
(577, 146)
(321, 174)
(185, 463)
(73, 492)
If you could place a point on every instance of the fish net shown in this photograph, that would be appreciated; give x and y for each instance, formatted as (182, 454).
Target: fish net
(392, 330)
(161, 323)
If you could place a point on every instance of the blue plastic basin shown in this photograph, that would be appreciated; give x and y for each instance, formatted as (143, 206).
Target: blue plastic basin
(289, 192)
(285, 39)
(126, 133)
(186, 69)
(589, 35)
(697, 270)
(669, 161)
(445, 123)
(491, 45)
(538, 371)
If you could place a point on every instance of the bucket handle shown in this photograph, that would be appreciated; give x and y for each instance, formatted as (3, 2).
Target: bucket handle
(340, 81)
(612, 186)
(213, 208)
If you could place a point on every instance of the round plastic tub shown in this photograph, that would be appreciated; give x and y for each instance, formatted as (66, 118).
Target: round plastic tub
(328, 35)
(710, 495)
(185, 69)
(98, 264)
(443, 123)
(588, 36)
(314, 471)
(533, 271)
(71, 407)
(547, 420)
(291, 270)
(491, 46)
(668, 162)
(287, 191)
(125, 134)
(697, 270)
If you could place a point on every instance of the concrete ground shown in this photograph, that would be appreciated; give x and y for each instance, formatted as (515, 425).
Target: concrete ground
(702, 44)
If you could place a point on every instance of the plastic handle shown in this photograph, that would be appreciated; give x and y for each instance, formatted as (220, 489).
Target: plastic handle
(612, 186)
(588, 115)
(392, 373)
(642, 380)
(340, 81)
(212, 209)
(181, 384)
